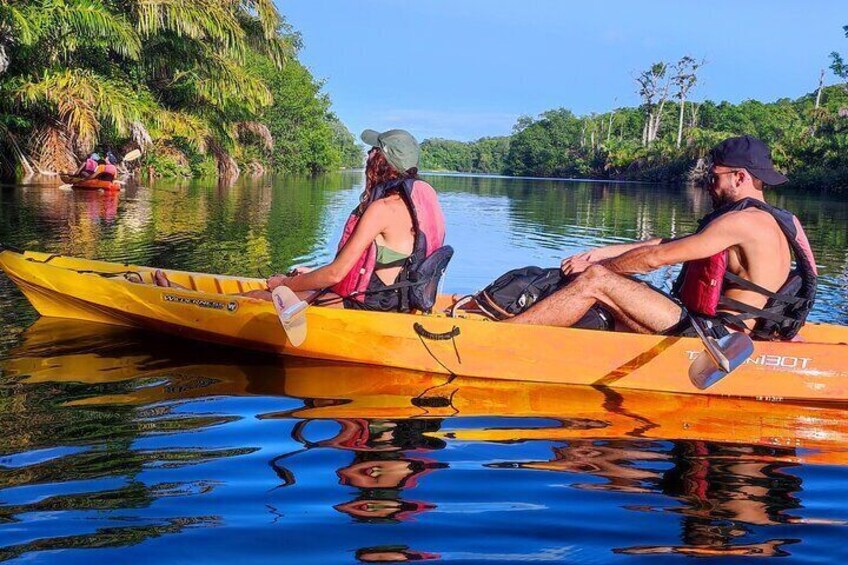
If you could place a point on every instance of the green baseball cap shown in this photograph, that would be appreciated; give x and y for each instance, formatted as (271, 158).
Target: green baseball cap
(399, 147)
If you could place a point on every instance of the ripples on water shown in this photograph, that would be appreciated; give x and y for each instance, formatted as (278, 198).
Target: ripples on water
(122, 447)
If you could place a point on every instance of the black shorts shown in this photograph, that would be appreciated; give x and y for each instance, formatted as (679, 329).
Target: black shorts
(377, 300)
(713, 327)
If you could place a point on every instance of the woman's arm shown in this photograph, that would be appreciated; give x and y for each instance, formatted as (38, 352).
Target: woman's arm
(373, 222)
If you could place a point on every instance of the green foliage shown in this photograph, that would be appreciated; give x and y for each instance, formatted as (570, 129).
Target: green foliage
(808, 136)
(810, 144)
(486, 155)
(75, 74)
(308, 137)
(351, 153)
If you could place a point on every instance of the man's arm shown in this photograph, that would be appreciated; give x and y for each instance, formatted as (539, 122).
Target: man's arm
(579, 262)
(723, 233)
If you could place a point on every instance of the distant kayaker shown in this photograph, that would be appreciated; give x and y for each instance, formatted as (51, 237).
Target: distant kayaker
(107, 168)
(736, 266)
(397, 224)
(88, 166)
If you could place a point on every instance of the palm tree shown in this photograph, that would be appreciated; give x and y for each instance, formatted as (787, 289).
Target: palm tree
(150, 71)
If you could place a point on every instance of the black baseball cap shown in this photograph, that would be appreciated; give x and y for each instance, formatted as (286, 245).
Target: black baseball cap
(749, 153)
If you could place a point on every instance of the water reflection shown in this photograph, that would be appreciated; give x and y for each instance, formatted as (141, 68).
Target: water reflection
(107, 426)
(724, 491)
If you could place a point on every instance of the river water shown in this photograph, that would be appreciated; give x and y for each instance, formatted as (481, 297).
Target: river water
(124, 447)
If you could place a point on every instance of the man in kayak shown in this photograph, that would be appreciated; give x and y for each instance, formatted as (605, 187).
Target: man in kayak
(736, 267)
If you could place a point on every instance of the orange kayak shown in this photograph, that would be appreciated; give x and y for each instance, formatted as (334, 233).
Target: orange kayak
(209, 308)
(90, 184)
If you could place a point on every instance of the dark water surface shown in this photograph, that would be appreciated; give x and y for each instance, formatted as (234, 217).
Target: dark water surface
(123, 447)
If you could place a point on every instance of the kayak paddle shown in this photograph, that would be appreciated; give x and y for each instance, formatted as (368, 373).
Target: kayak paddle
(292, 313)
(129, 157)
(720, 356)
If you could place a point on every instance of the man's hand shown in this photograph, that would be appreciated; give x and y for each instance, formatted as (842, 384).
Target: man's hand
(576, 264)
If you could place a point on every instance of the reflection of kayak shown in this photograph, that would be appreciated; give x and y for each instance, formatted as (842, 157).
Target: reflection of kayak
(64, 351)
(208, 310)
(90, 184)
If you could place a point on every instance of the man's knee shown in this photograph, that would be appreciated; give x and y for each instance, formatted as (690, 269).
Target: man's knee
(594, 273)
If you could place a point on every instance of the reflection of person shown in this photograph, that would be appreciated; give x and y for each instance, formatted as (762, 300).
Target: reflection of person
(389, 460)
(741, 483)
(383, 507)
(732, 264)
(615, 460)
(725, 490)
(370, 472)
(392, 554)
(397, 224)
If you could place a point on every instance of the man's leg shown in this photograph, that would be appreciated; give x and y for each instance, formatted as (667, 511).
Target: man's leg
(634, 304)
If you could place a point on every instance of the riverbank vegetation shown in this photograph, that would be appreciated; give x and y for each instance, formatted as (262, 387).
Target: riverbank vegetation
(666, 137)
(202, 86)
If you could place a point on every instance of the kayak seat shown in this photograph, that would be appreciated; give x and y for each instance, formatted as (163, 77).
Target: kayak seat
(425, 280)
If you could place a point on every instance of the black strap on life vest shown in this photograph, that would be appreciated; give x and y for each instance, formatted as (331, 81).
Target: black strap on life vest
(419, 287)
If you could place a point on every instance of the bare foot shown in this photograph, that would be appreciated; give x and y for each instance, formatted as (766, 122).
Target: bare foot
(160, 279)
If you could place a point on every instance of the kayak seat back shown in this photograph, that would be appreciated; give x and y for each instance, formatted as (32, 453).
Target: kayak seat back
(425, 280)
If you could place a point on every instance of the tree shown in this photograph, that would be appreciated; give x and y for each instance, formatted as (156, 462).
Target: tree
(169, 75)
(653, 89)
(684, 79)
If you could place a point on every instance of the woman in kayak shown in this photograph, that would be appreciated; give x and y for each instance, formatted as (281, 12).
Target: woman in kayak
(397, 224)
(106, 168)
(88, 167)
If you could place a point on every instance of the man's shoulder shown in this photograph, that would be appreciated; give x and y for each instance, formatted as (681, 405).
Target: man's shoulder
(746, 217)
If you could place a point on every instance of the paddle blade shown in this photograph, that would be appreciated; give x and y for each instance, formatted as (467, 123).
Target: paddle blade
(291, 311)
(132, 155)
(736, 348)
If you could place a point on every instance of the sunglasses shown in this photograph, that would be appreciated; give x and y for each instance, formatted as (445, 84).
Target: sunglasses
(712, 176)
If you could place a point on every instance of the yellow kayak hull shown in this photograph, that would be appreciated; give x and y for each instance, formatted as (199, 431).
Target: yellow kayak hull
(58, 351)
(209, 309)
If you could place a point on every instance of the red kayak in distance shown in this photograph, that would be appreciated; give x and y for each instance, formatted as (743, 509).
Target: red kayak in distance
(90, 184)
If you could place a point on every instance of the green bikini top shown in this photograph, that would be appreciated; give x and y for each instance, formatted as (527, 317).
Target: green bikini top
(388, 257)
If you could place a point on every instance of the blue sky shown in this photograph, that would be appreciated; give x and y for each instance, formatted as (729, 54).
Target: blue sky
(463, 69)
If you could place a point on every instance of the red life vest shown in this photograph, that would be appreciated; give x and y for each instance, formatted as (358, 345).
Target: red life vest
(428, 223)
(90, 166)
(701, 284)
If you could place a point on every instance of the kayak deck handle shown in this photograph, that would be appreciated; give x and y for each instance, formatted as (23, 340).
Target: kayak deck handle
(419, 329)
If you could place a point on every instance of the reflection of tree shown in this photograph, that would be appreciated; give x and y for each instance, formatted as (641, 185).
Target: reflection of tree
(108, 537)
